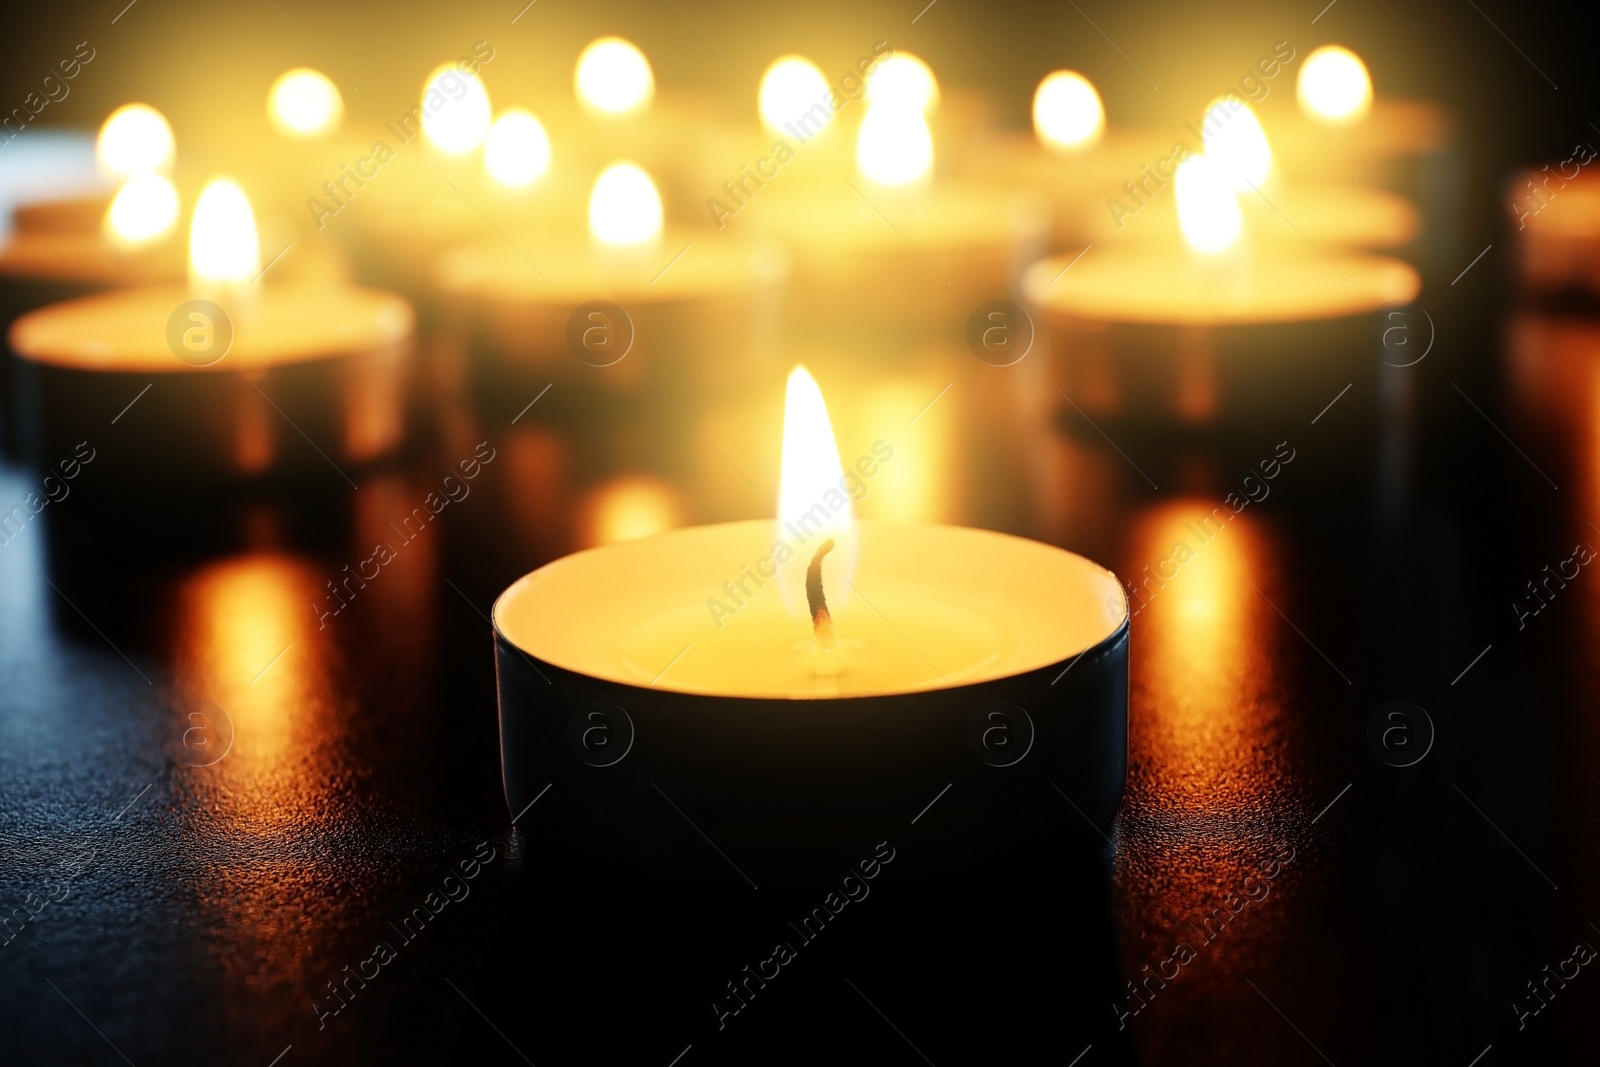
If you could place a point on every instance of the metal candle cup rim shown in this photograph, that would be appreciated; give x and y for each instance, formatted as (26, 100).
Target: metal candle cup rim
(1069, 653)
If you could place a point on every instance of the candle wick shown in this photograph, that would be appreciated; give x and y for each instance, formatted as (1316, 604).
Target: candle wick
(821, 620)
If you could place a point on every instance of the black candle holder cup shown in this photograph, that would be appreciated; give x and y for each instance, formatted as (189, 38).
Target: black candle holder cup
(713, 791)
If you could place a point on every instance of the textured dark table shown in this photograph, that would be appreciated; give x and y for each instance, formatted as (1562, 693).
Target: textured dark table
(226, 806)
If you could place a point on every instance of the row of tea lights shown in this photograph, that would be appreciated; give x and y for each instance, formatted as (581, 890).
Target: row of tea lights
(613, 79)
(906, 624)
(1217, 282)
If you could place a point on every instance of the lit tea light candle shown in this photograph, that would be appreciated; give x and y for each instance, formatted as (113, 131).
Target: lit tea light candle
(134, 141)
(656, 292)
(228, 377)
(304, 104)
(1348, 132)
(905, 83)
(1067, 113)
(752, 667)
(896, 237)
(145, 209)
(516, 152)
(613, 78)
(1225, 334)
(1334, 86)
(414, 211)
(1347, 215)
(791, 86)
(625, 210)
(455, 121)
(1277, 208)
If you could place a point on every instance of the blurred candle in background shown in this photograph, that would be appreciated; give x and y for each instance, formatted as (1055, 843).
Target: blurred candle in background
(1067, 113)
(305, 104)
(455, 121)
(1334, 86)
(613, 78)
(516, 152)
(135, 139)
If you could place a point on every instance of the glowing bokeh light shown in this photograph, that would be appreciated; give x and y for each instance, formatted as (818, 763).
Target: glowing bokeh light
(1067, 113)
(894, 146)
(144, 209)
(223, 245)
(455, 110)
(1334, 85)
(1236, 142)
(903, 81)
(304, 103)
(1208, 209)
(517, 151)
(135, 139)
(613, 77)
(790, 88)
(625, 208)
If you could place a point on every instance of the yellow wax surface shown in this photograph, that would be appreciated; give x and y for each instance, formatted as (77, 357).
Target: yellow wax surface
(569, 269)
(927, 607)
(126, 330)
(1173, 288)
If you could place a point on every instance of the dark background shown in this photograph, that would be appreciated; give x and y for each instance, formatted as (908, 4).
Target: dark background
(211, 912)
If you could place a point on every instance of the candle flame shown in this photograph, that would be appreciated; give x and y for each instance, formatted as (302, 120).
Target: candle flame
(613, 77)
(304, 103)
(790, 89)
(223, 246)
(1067, 113)
(517, 152)
(1334, 85)
(1235, 140)
(894, 147)
(903, 81)
(625, 208)
(1208, 210)
(813, 504)
(455, 110)
(135, 139)
(144, 209)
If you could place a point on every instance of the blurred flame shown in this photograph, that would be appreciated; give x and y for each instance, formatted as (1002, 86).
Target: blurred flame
(613, 77)
(627, 509)
(811, 506)
(223, 246)
(135, 139)
(1334, 85)
(625, 208)
(894, 146)
(1067, 113)
(1236, 142)
(903, 81)
(517, 152)
(1208, 210)
(144, 209)
(304, 103)
(455, 110)
(789, 89)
